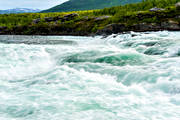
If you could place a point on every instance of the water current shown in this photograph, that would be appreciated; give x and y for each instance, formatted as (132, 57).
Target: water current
(134, 76)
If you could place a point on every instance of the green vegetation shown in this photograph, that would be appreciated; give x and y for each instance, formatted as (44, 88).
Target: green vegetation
(11, 20)
(90, 21)
(76, 5)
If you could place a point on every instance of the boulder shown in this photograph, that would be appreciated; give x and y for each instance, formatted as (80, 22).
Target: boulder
(112, 28)
(156, 9)
(36, 21)
(69, 17)
(52, 19)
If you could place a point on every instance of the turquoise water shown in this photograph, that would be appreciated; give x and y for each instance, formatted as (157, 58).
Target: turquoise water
(90, 78)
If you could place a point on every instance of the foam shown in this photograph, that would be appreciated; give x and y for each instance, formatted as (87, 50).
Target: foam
(39, 82)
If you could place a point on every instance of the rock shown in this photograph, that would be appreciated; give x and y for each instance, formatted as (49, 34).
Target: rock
(178, 17)
(49, 19)
(72, 15)
(57, 18)
(36, 21)
(178, 5)
(3, 27)
(101, 18)
(133, 35)
(142, 16)
(156, 9)
(144, 27)
(87, 18)
(69, 17)
(112, 28)
(52, 19)
(170, 25)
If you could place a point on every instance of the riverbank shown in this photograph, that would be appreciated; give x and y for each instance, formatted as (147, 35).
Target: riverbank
(139, 17)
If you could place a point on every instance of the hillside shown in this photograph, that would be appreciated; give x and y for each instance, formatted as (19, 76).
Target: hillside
(19, 10)
(76, 5)
(149, 15)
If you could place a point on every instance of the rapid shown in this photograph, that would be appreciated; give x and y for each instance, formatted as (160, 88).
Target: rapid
(132, 76)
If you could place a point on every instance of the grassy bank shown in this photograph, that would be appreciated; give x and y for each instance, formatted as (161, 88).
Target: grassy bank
(91, 21)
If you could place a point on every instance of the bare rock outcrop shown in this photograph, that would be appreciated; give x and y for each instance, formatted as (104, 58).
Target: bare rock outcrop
(156, 9)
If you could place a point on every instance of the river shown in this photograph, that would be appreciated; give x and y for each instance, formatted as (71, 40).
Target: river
(133, 76)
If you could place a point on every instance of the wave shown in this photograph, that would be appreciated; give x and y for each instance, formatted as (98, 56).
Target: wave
(118, 76)
(116, 59)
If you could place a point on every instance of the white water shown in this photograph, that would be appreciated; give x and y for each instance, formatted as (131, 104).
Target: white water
(85, 78)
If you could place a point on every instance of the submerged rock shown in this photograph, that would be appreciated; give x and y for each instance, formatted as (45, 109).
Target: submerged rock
(134, 35)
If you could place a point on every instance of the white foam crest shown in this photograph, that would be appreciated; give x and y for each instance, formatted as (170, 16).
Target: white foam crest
(22, 61)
